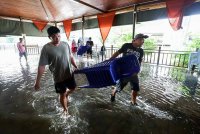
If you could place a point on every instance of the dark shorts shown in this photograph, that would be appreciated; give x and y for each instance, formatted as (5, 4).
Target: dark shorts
(89, 51)
(22, 54)
(134, 83)
(102, 53)
(61, 87)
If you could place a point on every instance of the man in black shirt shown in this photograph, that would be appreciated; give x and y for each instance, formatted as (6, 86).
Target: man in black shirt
(90, 44)
(127, 49)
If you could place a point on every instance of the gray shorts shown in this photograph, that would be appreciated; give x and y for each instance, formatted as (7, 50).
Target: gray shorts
(134, 83)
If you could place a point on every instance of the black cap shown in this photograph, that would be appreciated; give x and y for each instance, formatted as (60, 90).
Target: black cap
(138, 36)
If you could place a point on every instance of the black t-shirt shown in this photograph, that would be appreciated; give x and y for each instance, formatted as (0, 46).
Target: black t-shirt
(103, 48)
(89, 43)
(128, 49)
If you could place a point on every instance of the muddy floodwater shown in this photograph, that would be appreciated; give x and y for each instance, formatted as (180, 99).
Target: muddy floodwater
(169, 103)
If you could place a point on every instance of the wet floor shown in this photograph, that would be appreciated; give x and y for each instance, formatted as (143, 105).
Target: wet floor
(169, 103)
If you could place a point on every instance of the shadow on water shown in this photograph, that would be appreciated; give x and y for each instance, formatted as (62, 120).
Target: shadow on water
(169, 102)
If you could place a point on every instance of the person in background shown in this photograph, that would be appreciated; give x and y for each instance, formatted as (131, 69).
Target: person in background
(22, 49)
(79, 42)
(74, 47)
(58, 56)
(127, 49)
(103, 52)
(90, 44)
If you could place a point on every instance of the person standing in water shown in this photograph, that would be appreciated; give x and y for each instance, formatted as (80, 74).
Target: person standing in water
(90, 44)
(58, 56)
(127, 49)
(74, 47)
(22, 49)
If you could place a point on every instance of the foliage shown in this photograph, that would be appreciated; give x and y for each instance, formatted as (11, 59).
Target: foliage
(121, 39)
(149, 44)
(195, 43)
(127, 37)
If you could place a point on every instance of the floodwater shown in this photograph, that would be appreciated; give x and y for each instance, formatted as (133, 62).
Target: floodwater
(169, 103)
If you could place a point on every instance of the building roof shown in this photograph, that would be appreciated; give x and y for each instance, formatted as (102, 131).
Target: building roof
(59, 10)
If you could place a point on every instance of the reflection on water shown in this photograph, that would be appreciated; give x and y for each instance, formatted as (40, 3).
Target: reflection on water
(169, 102)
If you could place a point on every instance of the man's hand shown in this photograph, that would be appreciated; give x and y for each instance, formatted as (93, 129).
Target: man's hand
(76, 68)
(37, 86)
(41, 70)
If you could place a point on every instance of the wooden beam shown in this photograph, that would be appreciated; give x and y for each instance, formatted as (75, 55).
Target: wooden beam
(86, 4)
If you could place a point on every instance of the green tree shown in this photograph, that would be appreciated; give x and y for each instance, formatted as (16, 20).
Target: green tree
(119, 39)
(126, 37)
(150, 44)
(195, 44)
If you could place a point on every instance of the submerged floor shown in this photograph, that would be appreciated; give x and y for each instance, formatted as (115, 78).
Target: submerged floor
(169, 102)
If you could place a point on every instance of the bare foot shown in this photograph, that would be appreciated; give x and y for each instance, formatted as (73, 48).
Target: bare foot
(134, 103)
(65, 112)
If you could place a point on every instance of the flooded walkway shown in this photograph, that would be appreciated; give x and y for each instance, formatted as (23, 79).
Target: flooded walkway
(169, 103)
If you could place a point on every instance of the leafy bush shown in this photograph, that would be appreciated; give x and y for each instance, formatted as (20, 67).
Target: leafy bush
(150, 44)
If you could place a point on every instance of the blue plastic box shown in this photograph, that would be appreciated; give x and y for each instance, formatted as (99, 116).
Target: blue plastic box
(82, 50)
(108, 72)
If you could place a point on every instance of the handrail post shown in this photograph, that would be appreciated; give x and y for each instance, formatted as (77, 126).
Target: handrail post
(96, 48)
(38, 49)
(159, 50)
(111, 50)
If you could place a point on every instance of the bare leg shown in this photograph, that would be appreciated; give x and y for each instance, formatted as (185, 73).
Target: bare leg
(25, 57)
(133, 96)
(20, 58)
(114, 91)
(63, 102)
(69, 91)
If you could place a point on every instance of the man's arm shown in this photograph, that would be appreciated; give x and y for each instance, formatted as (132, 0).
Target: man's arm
(73, 62)
(141, 56)
(114, 55)
(41, 70)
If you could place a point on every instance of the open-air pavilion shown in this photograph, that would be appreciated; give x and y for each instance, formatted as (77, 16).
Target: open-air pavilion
(169, 99)
(26, 17)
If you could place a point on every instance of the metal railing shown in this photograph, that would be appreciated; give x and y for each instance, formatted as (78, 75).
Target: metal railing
(167, 57)
(33, 49)
(159, 57)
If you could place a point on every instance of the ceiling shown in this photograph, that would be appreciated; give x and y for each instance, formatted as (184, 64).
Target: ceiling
(59, 10)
